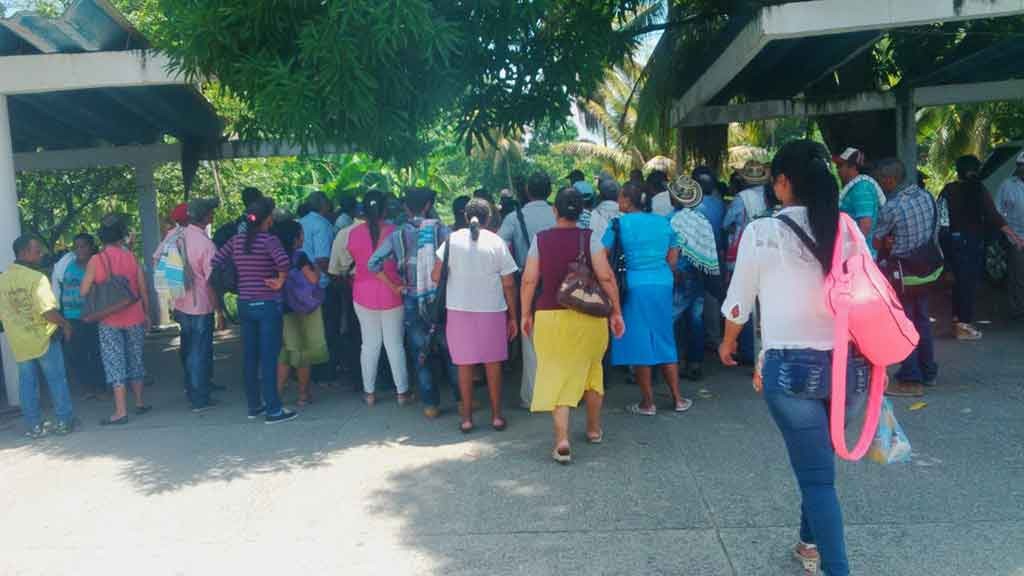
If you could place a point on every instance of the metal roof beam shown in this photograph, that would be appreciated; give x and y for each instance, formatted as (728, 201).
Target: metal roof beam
(83, 71)
(825, 18)
(159, 154)
(866, 102)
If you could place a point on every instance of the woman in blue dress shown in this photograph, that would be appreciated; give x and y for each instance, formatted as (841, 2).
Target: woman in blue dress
(648, 244)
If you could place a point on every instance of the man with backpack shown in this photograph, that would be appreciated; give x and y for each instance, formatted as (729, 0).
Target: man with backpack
(518, 231)
(907, 240)
(194, 308)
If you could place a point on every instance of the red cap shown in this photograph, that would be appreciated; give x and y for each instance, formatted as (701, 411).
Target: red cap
(180, 214)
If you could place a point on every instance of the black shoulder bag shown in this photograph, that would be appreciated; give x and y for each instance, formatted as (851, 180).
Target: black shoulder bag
(618, 260)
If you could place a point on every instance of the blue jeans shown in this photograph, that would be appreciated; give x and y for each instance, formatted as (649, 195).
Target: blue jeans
(51, 364)
(920, 366)
(688, 303)
(968, 262)
(797, 387)
(196, 355)
(417, 334)
(261, 343)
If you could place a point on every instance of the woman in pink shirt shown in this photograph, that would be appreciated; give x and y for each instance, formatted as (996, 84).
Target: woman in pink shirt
(378, 307)
(123, 333)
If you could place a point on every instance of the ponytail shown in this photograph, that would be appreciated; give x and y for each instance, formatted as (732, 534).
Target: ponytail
(478, 213)
(256, 214)
(805, 164)
(373, 209)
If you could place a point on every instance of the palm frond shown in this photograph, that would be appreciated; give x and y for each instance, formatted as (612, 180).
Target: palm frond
(619, 161)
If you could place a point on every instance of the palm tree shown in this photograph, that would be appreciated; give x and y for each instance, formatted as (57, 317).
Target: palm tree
(502, 149)
(949, 132)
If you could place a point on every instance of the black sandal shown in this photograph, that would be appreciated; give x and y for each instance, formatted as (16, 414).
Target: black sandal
(140, 410)
(499, 424)
(109, 422)
(467, 426)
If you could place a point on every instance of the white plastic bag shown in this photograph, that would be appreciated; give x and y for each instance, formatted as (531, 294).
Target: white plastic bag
(891, 445)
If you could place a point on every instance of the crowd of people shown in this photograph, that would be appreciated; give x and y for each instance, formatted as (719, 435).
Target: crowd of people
(388, 275)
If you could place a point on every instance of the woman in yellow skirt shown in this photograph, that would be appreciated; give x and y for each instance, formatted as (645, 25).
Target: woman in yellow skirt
(569, 344)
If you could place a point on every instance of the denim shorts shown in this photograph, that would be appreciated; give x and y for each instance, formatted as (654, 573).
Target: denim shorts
(807, 374)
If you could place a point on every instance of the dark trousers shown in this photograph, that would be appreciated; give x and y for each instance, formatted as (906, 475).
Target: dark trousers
(196, 355)
(920, 366)
(968, 262)
(331, 313)
(84, 356)
(420, 342)
(261, 345)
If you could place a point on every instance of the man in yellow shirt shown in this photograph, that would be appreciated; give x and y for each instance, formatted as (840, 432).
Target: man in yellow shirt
(28, 310)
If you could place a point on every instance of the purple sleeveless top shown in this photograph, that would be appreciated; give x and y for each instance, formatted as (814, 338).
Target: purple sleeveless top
(557, 248)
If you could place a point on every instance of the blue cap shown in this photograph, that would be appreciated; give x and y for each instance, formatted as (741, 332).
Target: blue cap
(585, 189)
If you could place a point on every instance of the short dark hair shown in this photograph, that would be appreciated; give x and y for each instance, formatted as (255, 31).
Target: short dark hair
(893, 167)
(250, 195)
(576, 176)
(112, 229)
(21, 243)
(86, 237)
(569, 203)
(538, 187)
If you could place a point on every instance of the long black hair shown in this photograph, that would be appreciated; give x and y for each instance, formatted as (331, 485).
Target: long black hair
(374, 209)
(287, 231)
(478, 213)
(805, 164)
(256, 214)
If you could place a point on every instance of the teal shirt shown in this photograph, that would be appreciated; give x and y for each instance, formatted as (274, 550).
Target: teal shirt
(646, 240)
(862, 202)
(71, 291)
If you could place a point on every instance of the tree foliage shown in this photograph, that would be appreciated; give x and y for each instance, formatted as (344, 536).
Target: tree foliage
(379, 74)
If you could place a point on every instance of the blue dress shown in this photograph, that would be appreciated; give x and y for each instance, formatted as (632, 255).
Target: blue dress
(647, 308)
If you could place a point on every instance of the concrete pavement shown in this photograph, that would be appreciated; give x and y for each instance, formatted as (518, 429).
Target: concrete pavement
(346, 489)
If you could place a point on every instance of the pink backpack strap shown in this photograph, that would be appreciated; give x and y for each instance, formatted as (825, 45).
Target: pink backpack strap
(840, 358)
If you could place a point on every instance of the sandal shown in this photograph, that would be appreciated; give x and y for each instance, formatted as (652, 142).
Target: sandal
(466, 427)
(808, 557)
(562, 455)
(112, 422)
(683, 405)
(404, 399)
(140, 410)
(637, 410)
(499, 424)
(370, 399)
(596, 439)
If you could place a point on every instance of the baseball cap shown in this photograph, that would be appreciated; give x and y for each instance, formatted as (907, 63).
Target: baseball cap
(850, 156)
(180, 214)
(200, 208)
(585, 189)
(608, 187)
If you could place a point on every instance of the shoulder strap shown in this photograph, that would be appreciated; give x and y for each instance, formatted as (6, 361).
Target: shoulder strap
(804, 237)
(522, 226)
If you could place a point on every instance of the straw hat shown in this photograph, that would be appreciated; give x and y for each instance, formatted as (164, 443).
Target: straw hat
(686, 192)
(755, 173)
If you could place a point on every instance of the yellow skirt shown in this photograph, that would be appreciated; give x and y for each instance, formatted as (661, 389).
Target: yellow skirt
(569, 346)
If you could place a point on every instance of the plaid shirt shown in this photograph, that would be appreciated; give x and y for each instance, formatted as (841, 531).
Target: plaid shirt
(909, 216)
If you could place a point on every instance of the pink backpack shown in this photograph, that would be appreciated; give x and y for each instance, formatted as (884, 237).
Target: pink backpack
(868, 313)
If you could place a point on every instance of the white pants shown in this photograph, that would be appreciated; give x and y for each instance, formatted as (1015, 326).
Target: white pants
(382, 327)
(529, 370)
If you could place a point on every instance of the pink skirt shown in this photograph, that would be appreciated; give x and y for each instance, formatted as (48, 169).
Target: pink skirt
(477, 337)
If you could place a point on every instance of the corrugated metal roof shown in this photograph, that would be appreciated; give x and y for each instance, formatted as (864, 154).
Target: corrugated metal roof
(85, 118)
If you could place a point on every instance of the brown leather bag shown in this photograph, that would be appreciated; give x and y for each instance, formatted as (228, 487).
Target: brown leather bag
(580, 291)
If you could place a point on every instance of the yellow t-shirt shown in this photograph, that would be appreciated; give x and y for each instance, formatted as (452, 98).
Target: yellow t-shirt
(25, 295)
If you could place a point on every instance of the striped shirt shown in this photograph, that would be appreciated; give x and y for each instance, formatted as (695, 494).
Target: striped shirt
(266, 259)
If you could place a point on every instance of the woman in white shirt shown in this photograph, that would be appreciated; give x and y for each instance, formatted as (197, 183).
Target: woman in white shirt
(481, 304)
(786, 273)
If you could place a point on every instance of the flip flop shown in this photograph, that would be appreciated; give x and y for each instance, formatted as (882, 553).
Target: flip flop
(140, 410)
(683, 405)
(596, 439)
(466, 427)
(109, 422)
(636, 410)
(499, 424)
(562, 455)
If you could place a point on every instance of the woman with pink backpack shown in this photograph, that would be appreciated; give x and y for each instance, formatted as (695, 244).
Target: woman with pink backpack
(782, 264)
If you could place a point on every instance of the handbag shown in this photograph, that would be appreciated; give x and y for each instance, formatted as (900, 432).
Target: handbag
(618, 261)
(921, 267)
(110, 297)
(867, 314)
(439, 313)
(579, 290)
(302, 296)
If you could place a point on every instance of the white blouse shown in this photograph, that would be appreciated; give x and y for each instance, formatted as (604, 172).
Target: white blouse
(775, 268)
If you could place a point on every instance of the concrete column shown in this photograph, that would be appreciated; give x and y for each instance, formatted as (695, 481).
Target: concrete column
(10, 228)
(146, 188)
(906, 133)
